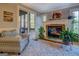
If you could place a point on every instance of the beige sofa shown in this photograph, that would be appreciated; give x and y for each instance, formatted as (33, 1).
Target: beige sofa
(13, 44)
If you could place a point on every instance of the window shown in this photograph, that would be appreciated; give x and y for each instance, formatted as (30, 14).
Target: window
(26, 20)
(32, 21)
(23, 21)
(76, 22)
(44, 18)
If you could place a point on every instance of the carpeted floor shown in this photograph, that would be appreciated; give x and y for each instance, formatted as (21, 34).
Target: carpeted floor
(44, 48)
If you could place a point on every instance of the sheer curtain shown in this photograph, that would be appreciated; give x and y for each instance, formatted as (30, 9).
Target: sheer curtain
(75, 22)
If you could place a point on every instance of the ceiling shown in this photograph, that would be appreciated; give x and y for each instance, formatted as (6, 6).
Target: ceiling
(48, 7)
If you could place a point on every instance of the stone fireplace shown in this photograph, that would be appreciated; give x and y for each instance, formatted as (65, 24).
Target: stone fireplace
(55, 27)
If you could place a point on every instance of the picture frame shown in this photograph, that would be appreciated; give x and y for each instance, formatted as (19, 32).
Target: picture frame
(8, 16)
(57, 15)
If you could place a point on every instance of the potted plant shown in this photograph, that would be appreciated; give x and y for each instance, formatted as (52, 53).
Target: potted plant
(68, 37)
(41, 33)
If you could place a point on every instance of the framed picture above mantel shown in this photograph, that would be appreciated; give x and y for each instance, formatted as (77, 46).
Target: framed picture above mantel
(57, 15)
(8, 16)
